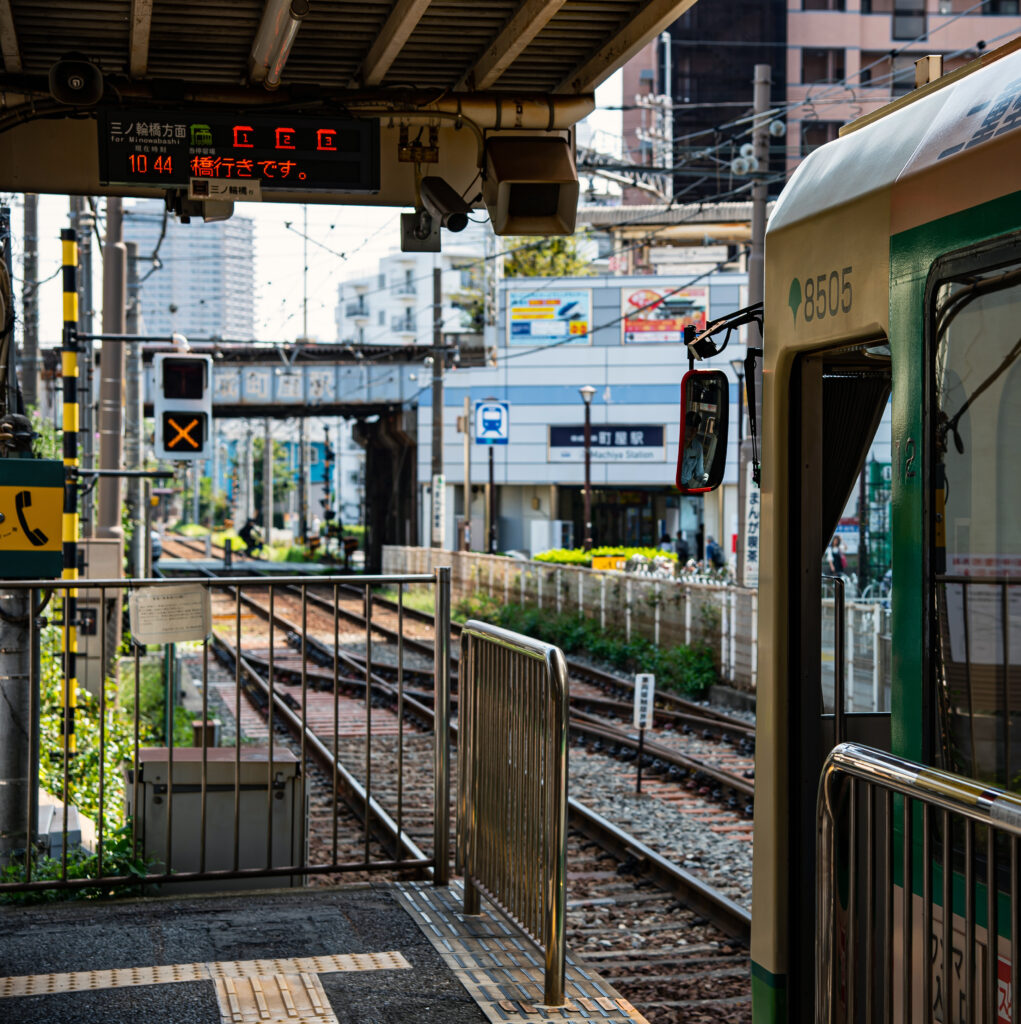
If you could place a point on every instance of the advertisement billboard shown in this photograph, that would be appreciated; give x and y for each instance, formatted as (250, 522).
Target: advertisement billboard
(539, 317)
(659, 315)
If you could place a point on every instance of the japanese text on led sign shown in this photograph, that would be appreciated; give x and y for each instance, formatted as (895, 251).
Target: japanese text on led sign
(278, 151)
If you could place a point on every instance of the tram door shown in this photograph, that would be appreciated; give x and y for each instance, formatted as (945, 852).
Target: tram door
(846, 391)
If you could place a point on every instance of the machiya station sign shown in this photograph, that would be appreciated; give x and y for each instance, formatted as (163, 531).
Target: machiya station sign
(615, 442)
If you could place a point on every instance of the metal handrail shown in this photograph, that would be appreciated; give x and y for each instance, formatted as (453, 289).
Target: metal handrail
(512, 785)
(940, 800)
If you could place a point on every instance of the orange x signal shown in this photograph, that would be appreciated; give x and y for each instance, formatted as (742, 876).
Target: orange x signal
(183, 433)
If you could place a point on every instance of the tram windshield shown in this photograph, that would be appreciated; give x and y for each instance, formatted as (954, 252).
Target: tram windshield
(976, 521)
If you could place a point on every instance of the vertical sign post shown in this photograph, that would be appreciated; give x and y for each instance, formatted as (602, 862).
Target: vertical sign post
(645, 693)
(439, 495)
(492, 427)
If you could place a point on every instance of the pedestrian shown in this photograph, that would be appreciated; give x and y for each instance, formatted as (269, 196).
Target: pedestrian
(835, 557)
(250, 536)
(665, 544)
(693, 463)
(714, 553)
(683, 549)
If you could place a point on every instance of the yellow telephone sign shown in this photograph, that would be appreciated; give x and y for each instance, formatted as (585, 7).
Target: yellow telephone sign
(31, 518)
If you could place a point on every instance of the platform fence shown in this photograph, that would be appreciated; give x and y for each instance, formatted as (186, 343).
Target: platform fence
(218, 797)
(918, 913)
(512, 795)
(668, 611)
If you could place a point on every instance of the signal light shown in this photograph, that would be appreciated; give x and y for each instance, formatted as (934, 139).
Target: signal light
(183, 405)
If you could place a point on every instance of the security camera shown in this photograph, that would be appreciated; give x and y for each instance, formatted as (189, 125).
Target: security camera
(76, 81)
(444, 204)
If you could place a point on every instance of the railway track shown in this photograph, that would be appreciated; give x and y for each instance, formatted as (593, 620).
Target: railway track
(672, 944)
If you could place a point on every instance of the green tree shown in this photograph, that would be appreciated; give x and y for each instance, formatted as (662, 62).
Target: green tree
(556, 256)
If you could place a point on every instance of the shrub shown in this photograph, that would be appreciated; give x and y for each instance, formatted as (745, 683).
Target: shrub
(578, 556)
(683, 669)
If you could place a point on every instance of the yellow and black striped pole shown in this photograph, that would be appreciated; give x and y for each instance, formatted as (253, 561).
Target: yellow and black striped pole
(69, 367)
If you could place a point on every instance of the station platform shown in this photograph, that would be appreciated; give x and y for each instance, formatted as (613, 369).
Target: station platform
(378, 953)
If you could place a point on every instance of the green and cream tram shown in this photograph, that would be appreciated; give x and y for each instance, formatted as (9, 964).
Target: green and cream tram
(893, 300)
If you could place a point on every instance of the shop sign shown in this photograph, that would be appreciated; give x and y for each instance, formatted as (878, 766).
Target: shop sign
(540, 317)
(659, 315)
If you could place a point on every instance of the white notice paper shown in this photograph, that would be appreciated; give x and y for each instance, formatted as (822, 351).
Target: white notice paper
(170, 615)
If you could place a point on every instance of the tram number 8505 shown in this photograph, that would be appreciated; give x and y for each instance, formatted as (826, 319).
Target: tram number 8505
(828, 294)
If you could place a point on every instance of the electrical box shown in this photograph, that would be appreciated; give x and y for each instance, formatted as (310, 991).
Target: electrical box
(285, 813)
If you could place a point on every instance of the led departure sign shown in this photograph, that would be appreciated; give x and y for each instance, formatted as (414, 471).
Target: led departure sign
(276, 151)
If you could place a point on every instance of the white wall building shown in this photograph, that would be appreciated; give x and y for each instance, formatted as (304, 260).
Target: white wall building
(621, 336)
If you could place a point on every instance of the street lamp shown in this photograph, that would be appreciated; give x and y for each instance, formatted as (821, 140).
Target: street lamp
(738, 366)
(586, 393)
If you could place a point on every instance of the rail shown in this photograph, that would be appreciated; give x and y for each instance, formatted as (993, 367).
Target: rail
(512, 797)
(135, 805)
(919, 870)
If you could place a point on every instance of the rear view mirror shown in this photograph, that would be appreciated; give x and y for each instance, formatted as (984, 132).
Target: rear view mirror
(705, 413)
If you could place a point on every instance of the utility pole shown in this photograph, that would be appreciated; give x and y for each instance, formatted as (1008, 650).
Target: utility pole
(267, 480)
(438, 484)
(30, 303)
(249, 473)
(18, 772)
(134, 448)
(83, 222)
(756, 287)
(112, 369)
(760, 142)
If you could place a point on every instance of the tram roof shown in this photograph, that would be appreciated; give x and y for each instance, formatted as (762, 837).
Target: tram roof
(908, 137)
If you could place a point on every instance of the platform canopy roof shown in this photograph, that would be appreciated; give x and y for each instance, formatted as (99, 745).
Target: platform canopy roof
(527, 65)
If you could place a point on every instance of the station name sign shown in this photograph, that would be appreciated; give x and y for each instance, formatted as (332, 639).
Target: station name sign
(620, 442)
(275, 152)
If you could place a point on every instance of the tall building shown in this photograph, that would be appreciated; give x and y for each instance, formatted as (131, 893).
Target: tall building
(831, 61)
(204, 285)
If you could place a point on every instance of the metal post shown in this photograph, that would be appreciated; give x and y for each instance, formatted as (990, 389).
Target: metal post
(437, 390)
(491, 508)
(133, 421)
(267, 480)
(586, 393)
(196, 480)
(69, 366)
(466, 541)
(441, 738)
(30, 304)
(302, 505)
(112, 368)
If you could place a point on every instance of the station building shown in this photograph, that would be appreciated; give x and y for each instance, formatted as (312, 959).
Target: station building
(621, 336)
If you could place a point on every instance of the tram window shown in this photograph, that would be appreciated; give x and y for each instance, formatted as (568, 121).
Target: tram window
(855, 521)
(975, 529)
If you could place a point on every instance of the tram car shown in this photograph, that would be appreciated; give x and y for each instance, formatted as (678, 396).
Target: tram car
(886, 879)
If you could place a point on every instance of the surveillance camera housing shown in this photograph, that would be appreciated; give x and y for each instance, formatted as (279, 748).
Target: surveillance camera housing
(531, 185)
(76, 81)
(420, 232)
(444, 204)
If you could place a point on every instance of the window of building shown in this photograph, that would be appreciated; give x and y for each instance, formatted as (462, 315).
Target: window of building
(823, 5)
(817, 133)
(819, 66)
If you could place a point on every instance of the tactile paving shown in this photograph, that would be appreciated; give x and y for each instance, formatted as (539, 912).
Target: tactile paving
(503, 972)
(283, 991)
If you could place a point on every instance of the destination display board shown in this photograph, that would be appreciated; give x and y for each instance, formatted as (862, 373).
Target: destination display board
(277, 151)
